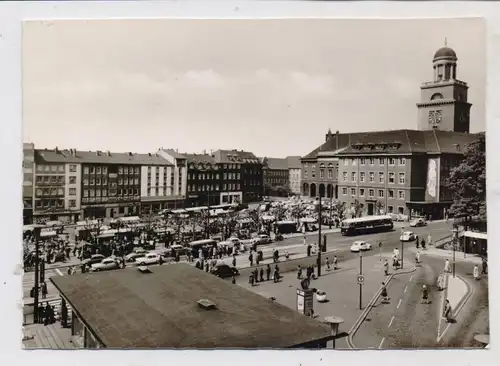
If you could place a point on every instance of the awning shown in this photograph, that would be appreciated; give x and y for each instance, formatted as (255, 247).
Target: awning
(179, 211)
(48, 234)
(475, 235)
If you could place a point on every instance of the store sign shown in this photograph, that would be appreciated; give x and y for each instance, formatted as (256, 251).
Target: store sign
(432, 186)
(305, 301)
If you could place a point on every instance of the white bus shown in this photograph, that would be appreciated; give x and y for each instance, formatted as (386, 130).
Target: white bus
(366, 225)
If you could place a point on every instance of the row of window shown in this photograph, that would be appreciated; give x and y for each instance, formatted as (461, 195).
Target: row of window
(159, 191)
(54, 168)
(50, 179)
(104, 181)
(371, 177)
(49, 192)
(371, 161)
(110, 192)
(104, 170)
(276, 181)
(213, 187)
(321, 172)
(252, 183)
(53, 203)
(281, 173)
(371, 193)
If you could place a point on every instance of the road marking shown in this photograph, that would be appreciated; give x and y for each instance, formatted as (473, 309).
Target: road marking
(399, 303)
(381, 343)
(411, 278)
(390, 323)
(406, 288)
(59, 272)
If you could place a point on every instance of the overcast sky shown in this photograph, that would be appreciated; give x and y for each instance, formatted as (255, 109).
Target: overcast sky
(272, 87)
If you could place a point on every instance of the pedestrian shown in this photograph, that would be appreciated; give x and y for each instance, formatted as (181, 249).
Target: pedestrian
(447, 312)
(268, 272)
(256, 275)
(44, 290)
(422, 243)
(287, 256)
(417, 243)
(161, 260)
(299, 272)
(417, 257)
(386, 267)
(233, 280)
(447, 266)
(309, 247)
(484, 266)
(425, 294)
(429, 239)
(476, 272)
(327, 262)
(250, 259)
(252, 279)
(384, 293)
(234, 260)
(335, 260)
(440, 282)
(261, 274)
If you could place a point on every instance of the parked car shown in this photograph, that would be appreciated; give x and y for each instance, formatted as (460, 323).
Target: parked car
(399, 217)
(407, 236)
(105, 265)
(177, 248)
(94, 258)
(223, 271)
(418, 222)
(150, 258)
(262, 239)
(359, 246)
(137, 253)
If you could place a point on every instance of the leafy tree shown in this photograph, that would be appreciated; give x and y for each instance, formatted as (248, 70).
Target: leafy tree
(356, 205)
(467, 183)
(379, 207)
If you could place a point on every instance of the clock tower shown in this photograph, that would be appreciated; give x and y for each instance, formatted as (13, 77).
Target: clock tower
(443, 104)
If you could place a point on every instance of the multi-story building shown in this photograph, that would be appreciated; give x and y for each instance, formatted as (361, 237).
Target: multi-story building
(157, 183)
(56, 186)
(400, 171)
(28, 181)
(204, 180)
(275, 175)
(178, 179)
(241, 176)
(294, 173)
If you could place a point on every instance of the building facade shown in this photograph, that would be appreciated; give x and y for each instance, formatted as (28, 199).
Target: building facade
(294, 174)
(157, 183)
(178, 179)
(398, 171)
(28, 181)
(204, 180)
(276, 176)
(241, 176)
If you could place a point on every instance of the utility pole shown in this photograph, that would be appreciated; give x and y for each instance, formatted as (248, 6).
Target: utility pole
(319, 237)
(360, 285)
(36, 231)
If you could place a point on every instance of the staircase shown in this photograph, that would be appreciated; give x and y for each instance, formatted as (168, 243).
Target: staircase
(444, 242)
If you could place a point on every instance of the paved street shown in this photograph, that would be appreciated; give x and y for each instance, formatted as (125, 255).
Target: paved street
(405, 323)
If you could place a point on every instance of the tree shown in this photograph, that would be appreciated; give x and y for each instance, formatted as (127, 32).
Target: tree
(467, 183)
(379, 206)
(279, 212)
(356, 207)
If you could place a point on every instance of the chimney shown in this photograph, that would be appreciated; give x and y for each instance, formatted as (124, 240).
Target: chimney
(337, 139)
(98, 153)
(108, 153)
(57, 150)
(204, 152)
(149, 154)
(130, 153)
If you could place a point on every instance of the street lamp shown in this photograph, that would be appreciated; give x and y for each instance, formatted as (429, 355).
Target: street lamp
(401, 238)
(319, 236)
(454, 242)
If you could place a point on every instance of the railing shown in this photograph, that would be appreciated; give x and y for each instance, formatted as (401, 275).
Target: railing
(56, 303)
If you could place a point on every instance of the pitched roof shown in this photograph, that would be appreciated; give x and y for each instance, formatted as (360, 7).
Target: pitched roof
(293, 162)
(199, 158)
(97, 157)
(235, 156)
(275, 163)
(160, 309)
(397, 141)
(174, 154)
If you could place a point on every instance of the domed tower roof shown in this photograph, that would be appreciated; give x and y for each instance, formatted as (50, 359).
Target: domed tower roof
(445, 53)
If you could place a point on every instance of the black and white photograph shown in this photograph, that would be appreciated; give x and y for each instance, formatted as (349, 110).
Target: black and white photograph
(254, 184)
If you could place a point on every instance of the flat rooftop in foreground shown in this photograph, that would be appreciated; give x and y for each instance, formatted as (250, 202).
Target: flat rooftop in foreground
(130, 309)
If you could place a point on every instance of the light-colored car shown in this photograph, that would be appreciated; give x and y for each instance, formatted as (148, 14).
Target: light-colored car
(418, 222)
(150, 258)
(234, 241)
(94, 258)
(407, 236)
(360, 245)
(137, 253)
(262, 239)
(105, 265)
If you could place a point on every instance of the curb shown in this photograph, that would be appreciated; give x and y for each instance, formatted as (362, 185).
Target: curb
(369, 307)
(461, 304)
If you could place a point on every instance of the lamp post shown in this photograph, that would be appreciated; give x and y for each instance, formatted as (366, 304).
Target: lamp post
(360, 284)
(319, 237)
(36, 231)
(402, 231)
(455, 237)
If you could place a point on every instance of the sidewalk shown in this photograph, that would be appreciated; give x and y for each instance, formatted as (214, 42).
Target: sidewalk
(52, 336)
(456, 291)
(340, 286)
(443, 253)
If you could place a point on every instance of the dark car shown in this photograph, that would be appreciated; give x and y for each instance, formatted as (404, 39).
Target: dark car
(223, 271)
(95, 258)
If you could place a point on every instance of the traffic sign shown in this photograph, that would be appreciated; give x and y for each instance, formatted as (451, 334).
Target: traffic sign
(361, 279)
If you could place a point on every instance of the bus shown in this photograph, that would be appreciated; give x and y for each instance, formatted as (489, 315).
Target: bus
(286, 227)
(205, 245)
(366, 225)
